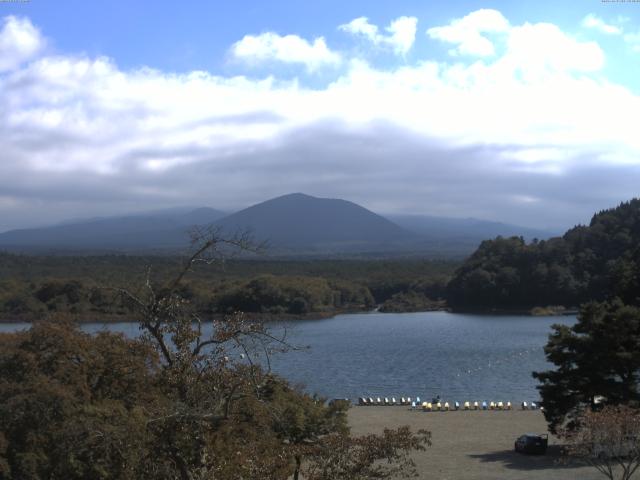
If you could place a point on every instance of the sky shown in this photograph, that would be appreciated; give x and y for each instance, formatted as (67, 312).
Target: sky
(521, 112)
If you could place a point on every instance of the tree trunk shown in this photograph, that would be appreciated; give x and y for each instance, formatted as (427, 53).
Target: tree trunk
(296, 473)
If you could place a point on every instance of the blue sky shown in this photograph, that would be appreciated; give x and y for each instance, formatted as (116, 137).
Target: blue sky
(522, 112)
(196, 35)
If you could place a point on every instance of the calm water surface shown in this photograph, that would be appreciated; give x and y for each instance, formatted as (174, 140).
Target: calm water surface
(457, 356)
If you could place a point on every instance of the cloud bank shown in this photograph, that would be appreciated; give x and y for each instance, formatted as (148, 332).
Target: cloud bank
(520, 125)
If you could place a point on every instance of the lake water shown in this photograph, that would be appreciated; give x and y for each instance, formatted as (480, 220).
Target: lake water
(457, 356)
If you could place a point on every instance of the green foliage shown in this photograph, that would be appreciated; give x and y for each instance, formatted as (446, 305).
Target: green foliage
(598, 356)
(294, 295)
(411, 301)
(31, 286)
(595, 262)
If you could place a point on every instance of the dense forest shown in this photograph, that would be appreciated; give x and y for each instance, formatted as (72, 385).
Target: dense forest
(86, 286)
(594, 262)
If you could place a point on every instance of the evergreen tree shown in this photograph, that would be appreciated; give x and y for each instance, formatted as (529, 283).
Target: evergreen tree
(599, 356)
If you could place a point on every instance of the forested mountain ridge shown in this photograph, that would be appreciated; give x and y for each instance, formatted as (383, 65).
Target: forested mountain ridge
(294, 225)
(157, 229)
(594, 262)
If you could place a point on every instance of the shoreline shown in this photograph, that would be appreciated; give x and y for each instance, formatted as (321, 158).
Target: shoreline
(282, 317)
(106, 318)
(528, 311)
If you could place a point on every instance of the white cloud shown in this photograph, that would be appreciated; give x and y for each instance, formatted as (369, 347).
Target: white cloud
(84, 130)
(19, 42)
(592, 21)
(633, 39)
(541, 49)
(467, 32)
(361, 26)
(401, 33)
(530, 50)
(287, 49)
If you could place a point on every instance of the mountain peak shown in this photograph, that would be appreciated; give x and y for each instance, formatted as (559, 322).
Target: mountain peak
(297, 219)
(294, 195)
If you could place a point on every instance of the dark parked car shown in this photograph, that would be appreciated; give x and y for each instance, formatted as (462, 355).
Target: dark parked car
(532, 443)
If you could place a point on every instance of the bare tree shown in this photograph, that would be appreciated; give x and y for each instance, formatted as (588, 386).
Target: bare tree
(216, 376)
(206, 369)
(608, 440)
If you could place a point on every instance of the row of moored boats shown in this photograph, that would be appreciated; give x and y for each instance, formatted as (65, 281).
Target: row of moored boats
(438, 405)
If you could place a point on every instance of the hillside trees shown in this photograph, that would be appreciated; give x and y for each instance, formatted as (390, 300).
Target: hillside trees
(508, 273)
(596, 262)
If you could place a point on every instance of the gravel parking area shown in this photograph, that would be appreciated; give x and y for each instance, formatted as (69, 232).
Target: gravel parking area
(474, 444)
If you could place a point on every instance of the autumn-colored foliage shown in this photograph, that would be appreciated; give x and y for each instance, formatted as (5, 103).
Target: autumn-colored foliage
(607, 439)
(190, 398)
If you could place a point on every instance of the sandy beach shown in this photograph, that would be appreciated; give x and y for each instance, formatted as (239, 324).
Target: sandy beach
(474, 445)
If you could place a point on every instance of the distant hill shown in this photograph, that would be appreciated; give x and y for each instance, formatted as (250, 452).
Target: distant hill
(294, 224)
(466, 231)
(158, 230)
(305, 223)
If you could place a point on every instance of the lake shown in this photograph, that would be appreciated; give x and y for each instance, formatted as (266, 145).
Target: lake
(457, 356)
